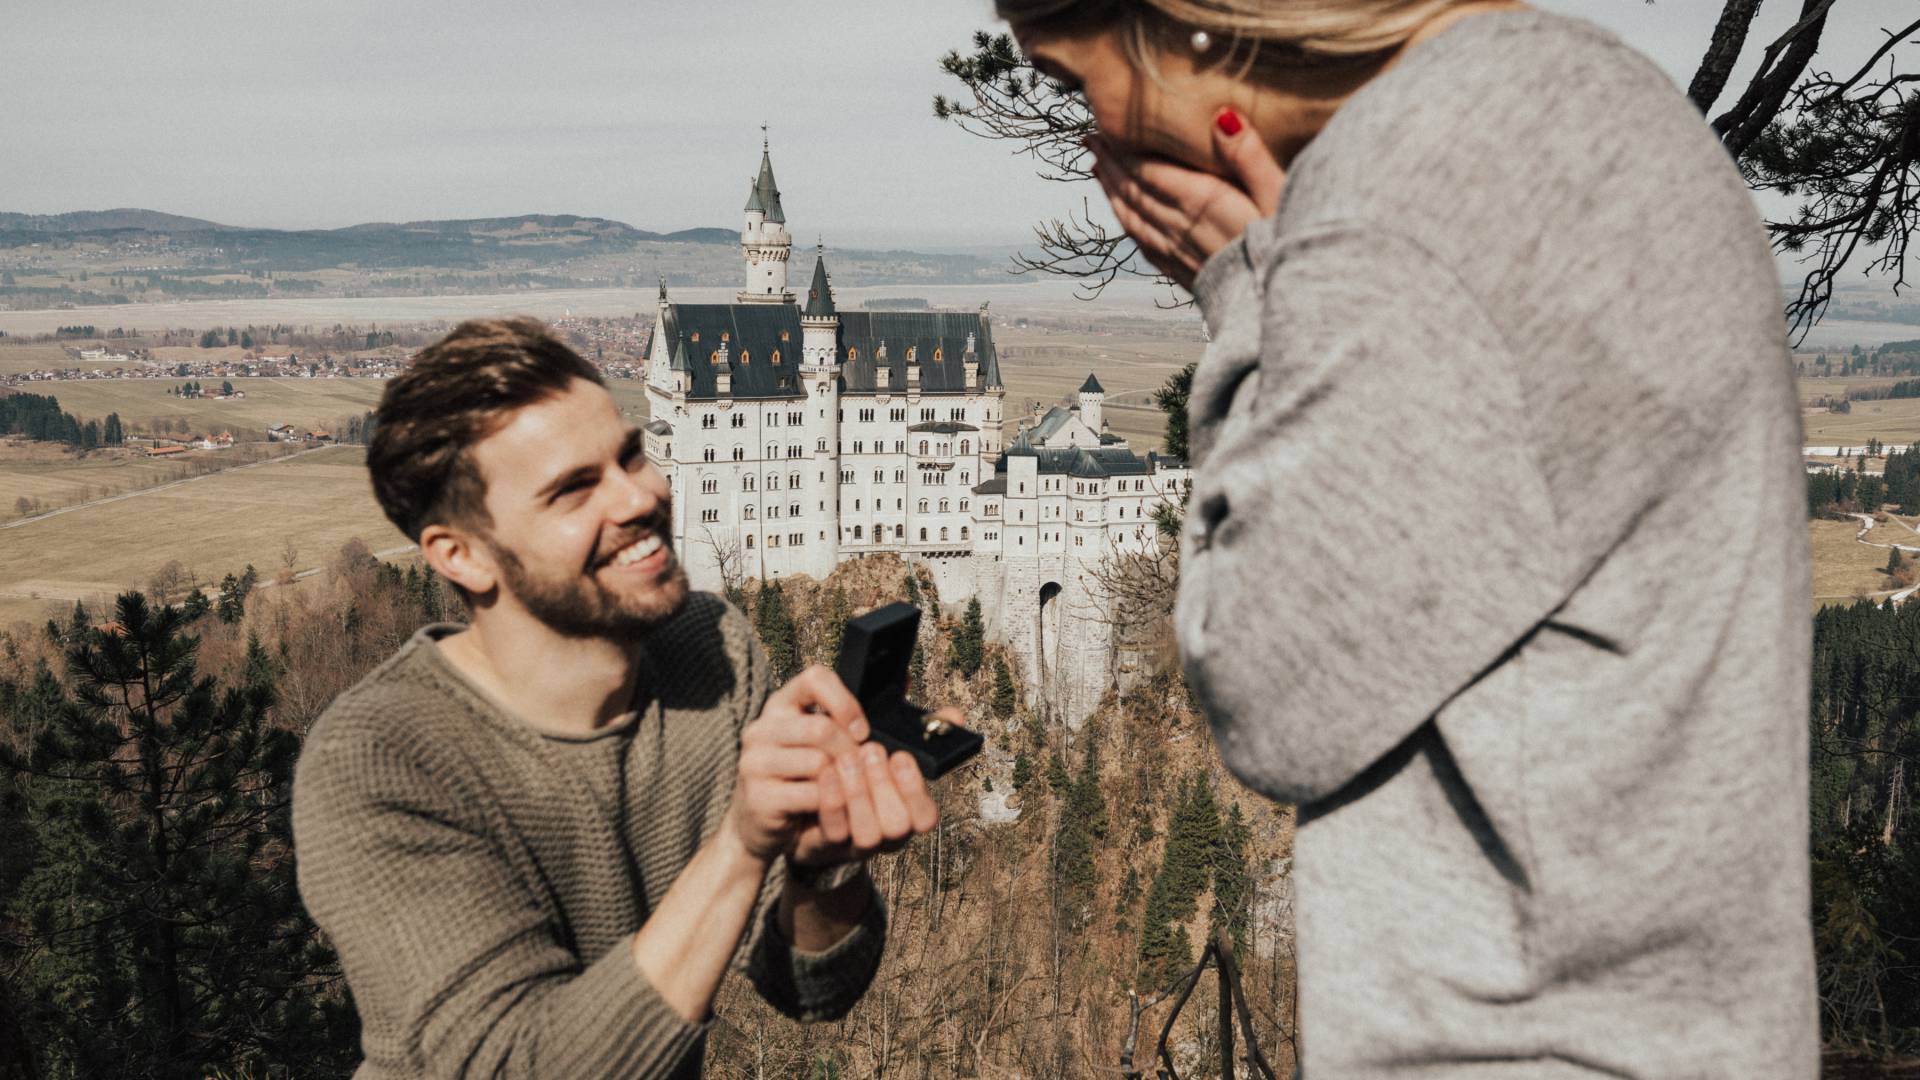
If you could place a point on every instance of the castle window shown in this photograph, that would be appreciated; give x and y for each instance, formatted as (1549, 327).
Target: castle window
(710, 516)
(725, 337)
(943, 536)
(708, 420)
(923, 536)
(939, 354)
(899, 532)
(745, 358)
(709, 486)
(943, 506)
(859, 446)
(923, 446)
(784, 336)
(965, 477)
(695, 338)
(899, 476)
(739, 453)
(707, 453)
(739, 419)
(965, 446)
(923, 506)
(963, 533)
(852, 354)
(963, 506)
(749, 541)
(793, 481)
(846, 476)
(856, 532)
(775, 358)
(774, 540)
(879, 476)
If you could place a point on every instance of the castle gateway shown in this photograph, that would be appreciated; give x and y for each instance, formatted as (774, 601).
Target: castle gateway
(796, 436)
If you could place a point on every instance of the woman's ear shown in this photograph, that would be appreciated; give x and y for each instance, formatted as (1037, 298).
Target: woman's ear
(457, 557)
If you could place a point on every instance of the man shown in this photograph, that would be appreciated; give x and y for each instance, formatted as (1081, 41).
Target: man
(537, 842)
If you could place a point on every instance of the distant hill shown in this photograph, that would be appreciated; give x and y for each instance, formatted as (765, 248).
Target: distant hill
(86, 221)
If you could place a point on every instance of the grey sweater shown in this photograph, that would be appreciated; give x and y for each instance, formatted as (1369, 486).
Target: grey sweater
(1497, 564)
(481, 881)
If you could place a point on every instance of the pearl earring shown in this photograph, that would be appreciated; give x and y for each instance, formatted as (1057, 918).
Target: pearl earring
(1201, 41)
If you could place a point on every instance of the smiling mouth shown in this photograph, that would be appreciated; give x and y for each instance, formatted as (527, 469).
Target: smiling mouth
(637, 551)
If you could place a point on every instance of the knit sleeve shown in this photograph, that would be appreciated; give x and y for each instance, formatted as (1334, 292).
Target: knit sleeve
(447, 953)
(821, 985)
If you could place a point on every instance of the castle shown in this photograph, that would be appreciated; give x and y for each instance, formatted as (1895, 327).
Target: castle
(797, 436)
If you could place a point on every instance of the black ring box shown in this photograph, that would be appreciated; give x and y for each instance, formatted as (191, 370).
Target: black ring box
(875, 651)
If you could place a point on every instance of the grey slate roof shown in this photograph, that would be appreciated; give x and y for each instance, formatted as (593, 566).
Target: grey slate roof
(1050, 424)
(659, 427)
(753, 197)
(767, 192)
(1092, 385)
(944, 427)
(1095, 463)
(820, 293)
(753, 332)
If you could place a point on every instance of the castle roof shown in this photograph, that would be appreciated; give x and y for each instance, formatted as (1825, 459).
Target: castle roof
(943, 427)
(1092, 385)
(659, 427)
(1094, 463)
(820, 293)
(753, 332)
(1050, 424)
(765, 196)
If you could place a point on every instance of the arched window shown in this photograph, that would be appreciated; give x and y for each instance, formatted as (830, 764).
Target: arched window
(943, 536)
(739, 453)
(963, 533)
(747, 512)
(708, 454)
(943, 506)
(745, 358)
(923, 535)
(852, 354)
(695, 338)
(923, 506)
(939, 354)
(775, 358)
(856, 532)
(923, 446)
(749, 541)
(965, 445)
(899, 532)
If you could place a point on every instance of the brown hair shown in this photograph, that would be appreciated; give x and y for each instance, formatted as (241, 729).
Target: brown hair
(1253, 35)
(458, 391)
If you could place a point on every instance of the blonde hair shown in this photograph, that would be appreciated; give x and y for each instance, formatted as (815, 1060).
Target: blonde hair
(1252, 34)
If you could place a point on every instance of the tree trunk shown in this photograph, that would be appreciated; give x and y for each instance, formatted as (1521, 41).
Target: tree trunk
(1729, 36)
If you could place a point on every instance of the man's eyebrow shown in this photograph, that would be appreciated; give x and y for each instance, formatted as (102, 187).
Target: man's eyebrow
(628, 447)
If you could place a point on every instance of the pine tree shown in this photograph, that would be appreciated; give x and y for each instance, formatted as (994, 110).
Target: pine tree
(1005, 698)
(232, 605)
(775, 628)
(1893, 560)
(834, 624)
(162, 891)
(969, 642)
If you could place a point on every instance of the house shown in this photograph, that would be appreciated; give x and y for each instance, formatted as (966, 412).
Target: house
(222, 441)
(319, 436)
(165, 451)
(280, 433)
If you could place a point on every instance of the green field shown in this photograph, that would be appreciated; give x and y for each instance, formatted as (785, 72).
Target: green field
(213, 526)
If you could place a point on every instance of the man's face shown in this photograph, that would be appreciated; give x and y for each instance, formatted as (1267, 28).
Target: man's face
(582, 523)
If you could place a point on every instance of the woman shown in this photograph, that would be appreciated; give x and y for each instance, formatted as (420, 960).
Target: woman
(1496, 560)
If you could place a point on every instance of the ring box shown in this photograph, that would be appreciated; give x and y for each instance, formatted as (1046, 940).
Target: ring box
(875, 652)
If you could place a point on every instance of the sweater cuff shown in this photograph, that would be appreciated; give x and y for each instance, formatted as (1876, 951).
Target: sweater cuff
(1224, 283)
(615, 1023)
(823, 985)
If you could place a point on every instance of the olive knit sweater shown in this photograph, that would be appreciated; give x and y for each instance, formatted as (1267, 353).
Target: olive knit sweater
(482, 880)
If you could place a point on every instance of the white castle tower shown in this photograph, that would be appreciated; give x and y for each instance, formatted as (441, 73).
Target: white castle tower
(820, 380)
(764, 240)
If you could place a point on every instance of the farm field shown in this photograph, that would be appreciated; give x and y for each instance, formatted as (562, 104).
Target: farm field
(1844, 570)
(17, 359)
(52, 476)
(213, 526)
(1045, 368)
(301, 402)
(1893, 420)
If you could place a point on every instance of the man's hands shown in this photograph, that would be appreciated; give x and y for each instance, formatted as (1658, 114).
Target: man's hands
(811, 787)
(1180, 216)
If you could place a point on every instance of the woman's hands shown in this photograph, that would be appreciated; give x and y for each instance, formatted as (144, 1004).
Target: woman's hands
(1180, 216)
(810, 786)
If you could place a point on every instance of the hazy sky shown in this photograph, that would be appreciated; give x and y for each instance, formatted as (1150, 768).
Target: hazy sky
(333, 112)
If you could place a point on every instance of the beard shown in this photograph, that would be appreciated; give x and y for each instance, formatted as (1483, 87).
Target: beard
(580, 605)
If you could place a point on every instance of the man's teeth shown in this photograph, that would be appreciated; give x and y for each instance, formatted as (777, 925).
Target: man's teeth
(637, 550)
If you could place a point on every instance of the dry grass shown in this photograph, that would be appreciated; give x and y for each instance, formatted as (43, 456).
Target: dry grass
(213, 526)
(1844, 569)
(1046, 367)
(301, 402)
(19, 359)
(1891, 421)
(54, 476)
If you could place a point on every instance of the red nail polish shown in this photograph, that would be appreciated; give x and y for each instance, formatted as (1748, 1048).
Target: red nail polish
(1228, 122)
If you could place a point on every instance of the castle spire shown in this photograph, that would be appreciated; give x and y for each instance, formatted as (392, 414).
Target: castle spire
(820, 293)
